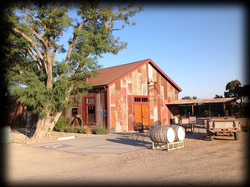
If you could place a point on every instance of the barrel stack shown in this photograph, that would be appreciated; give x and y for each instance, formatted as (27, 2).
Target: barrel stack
(169, 135)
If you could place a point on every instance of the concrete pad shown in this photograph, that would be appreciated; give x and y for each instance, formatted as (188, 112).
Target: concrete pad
(110, 144)
(114, 144)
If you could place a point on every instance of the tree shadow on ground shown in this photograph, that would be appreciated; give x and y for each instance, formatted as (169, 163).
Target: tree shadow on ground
(29, 133)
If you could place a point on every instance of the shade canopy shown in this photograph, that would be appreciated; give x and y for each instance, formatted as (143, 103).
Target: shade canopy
(197, 101)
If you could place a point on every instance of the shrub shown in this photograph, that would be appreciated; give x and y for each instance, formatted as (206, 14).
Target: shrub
(62, 129)
(69, 129)
(61, 124)
(83, 130)
(76, 129)
(100, 130)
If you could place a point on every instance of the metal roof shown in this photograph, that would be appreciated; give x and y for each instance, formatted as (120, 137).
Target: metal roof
(194, 101)
(110, 75)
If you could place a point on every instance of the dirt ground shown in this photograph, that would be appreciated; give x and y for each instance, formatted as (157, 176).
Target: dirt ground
(223, 161)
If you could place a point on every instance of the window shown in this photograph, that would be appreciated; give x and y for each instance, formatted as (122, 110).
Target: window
(137, 99)
(141, 99)
(74, 112)
(91, 110)
(91, 100)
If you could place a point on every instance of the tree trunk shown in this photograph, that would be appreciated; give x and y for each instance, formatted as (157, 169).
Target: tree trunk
(45, 126)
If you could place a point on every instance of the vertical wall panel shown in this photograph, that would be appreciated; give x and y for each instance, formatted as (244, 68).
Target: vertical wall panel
(130, 89)
(112, 95)
(124, 82)
(129, 78)
(113, 117)
(118, 99)
(134, 82)
(130, 120)
(139, 84)
(99, 109)
(118, 121)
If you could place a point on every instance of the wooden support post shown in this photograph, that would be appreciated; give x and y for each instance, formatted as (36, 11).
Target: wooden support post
(232, 114)
(224, 109)
(199, 110)
(192, 110)
(209, 109)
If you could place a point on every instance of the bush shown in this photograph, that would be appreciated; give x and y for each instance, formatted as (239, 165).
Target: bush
(70, 129)
(83, 130)
(100, 130)
(62, 129)
(76, 129)
(61, 124)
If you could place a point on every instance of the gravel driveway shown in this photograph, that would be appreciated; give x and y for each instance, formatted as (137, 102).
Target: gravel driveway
(223, 161)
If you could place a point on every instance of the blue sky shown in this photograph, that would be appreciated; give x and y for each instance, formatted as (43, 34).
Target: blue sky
(201, 48)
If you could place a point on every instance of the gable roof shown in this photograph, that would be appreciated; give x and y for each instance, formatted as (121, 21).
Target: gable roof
(110, 75)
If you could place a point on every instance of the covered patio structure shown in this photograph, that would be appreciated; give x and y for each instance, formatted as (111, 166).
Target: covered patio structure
(199, 102)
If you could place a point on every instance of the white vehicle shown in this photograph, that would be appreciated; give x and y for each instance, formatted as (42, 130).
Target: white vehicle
(220, 126)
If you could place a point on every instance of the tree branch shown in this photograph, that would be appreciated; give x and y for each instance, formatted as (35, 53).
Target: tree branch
(34, 58)
(54, 51)
(81, 66)
(31, 42)
(74, 40)
(119, 11)
(40, 39)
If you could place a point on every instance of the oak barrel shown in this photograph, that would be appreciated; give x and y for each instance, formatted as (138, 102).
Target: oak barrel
(162, 134)
(179, 132)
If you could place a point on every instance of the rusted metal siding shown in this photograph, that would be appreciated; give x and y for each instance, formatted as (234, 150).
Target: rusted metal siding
(162, 92)
(121, 99)
(121, 96)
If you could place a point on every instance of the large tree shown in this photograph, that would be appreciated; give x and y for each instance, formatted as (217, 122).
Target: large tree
(34, 31)
(234, 89)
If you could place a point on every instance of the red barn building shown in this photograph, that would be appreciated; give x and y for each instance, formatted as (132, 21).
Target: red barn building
(137, 91)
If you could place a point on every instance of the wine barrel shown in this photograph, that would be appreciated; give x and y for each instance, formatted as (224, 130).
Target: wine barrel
(179, 132)
(162, 134)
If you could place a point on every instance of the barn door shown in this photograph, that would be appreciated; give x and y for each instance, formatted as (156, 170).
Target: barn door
(145, 115)
(141, 114)
(138, 113)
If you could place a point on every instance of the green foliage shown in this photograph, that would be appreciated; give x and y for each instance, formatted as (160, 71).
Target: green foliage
(82, 129)
(233, 89)
(188, 97)
(218, 96)
(61, 124)
(70, 129)
(100, 130)
(206, 113)
(33, 32)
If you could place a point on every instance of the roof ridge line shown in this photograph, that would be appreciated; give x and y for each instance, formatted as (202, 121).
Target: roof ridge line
(124, 64)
